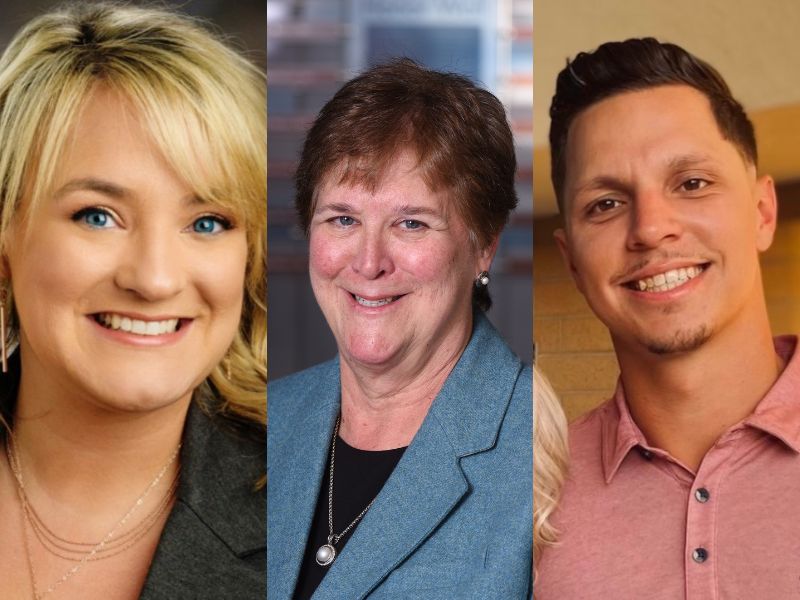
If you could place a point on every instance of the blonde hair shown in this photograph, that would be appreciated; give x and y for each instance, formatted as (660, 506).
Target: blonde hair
(550, 458)
(205, 108)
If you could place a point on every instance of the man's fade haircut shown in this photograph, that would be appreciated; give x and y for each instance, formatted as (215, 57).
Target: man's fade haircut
(632, 65)
(457, 132)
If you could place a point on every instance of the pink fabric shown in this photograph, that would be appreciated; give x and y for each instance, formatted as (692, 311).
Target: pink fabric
(630, 519)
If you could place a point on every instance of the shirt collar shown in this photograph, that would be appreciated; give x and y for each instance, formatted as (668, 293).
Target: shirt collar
(620, 433)
(778, 414)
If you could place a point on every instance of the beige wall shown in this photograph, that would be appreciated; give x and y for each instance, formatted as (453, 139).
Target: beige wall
(573, 347)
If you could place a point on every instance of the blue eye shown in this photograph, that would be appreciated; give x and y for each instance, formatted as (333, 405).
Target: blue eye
(411, 224)
(210, 225)
(344, 221)
(94, 217)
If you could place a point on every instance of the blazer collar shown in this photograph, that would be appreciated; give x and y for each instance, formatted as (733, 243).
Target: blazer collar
(217, 522)
(219, 469)
(428, 482)
(297, 461)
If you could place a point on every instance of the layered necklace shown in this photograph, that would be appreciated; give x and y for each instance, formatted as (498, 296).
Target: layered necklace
(81, 553)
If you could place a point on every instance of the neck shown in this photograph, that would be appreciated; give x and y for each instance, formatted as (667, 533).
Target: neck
(382, 408)
(90, 459)
(684, 402)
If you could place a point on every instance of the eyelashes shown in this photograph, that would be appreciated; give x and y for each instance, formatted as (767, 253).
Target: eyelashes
(98, 217)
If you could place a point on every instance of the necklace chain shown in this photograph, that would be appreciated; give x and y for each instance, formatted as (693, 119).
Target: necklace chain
(107, 544)
(332, 537)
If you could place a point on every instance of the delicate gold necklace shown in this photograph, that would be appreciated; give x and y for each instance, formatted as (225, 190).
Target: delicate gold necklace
(84, 552)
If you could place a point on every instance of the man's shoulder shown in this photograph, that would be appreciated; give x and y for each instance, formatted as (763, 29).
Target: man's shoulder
(585, 432)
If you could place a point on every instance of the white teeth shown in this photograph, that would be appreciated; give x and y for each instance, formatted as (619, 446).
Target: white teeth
(668, 280)
(117, 322)
(374, 303)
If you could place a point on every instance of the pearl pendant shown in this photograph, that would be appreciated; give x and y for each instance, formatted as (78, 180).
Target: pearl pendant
(325, 555)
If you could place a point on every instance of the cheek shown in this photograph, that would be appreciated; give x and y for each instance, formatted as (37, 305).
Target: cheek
(441, 264)
(326, 256)
(223, 276)
(50, 271)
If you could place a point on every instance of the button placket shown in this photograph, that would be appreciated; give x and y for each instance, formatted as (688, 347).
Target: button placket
(701, 523)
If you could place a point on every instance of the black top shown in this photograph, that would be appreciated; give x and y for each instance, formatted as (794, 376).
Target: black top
(358, 477)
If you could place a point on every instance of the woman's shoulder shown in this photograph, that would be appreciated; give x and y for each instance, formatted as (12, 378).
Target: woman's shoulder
(311, 376)
(291, 398)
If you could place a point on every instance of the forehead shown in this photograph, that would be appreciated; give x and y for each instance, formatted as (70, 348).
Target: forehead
(402, 181)
(636, 133)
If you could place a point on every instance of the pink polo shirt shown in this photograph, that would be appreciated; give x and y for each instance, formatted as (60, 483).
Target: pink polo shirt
(636, 524)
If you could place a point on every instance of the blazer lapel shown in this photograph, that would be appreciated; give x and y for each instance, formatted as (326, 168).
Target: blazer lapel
(428, 482)
(216, 530)
(295, 472)
(421, 492)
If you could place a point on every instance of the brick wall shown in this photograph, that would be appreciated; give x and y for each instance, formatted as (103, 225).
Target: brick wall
(574, 348)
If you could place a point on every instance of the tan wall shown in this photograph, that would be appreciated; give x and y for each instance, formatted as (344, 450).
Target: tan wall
(573, 347)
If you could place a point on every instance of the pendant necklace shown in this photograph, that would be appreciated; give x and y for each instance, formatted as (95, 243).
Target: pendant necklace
(327, 552)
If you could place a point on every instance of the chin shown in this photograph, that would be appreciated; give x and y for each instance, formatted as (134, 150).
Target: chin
(370, 351)
(135, 394)
(679, 342)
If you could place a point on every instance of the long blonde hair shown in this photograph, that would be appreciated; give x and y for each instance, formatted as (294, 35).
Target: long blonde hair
(202, 102)
(550, 459)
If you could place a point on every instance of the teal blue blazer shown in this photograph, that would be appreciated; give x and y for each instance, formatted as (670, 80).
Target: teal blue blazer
(454, 520)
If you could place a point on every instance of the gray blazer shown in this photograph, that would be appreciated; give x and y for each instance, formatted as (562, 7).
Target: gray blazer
(213, 546)
(454, 520)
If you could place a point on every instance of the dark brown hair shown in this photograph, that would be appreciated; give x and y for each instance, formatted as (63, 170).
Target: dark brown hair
(637, 64)
(457, 131)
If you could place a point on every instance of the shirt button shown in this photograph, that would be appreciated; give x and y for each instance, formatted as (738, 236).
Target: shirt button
(702, 495)
(646, 454)
(700, 555)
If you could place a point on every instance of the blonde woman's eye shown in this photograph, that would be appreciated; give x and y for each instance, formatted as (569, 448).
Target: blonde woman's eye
(94, 217)
(210, 225)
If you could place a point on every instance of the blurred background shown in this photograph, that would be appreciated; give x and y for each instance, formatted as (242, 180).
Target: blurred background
(313, 47)
(754, 44)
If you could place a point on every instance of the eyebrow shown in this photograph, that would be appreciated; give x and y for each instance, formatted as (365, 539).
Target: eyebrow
(335, 207)
(600, 182)
(405, 209)
(91, 184)
(686, 161)
(110, 189)
(676, 163)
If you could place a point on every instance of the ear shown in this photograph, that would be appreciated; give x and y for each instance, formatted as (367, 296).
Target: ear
(767, 212)
(486, 254)
(562, 242)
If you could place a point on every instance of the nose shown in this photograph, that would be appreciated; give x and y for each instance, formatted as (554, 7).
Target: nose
(373, 258)
(152, 267)
(655, 220)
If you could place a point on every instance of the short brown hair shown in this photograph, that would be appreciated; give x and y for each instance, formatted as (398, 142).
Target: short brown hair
(458, 132)
(637, 64)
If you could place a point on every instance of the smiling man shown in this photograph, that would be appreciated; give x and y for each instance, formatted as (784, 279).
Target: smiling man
(686, 483)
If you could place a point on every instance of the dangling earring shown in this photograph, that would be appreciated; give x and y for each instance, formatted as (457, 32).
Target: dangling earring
(228, 369)
(3, 355)
(482, 280)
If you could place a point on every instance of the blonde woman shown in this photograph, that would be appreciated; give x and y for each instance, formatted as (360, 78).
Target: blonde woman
(550, 457)
(132, 224)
